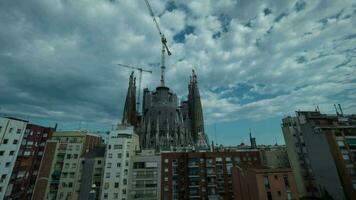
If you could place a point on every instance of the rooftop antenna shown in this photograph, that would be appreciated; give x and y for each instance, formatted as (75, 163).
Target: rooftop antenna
(216, 139)
(342, 113)
(337, 112)
(275, 138)
(317, 107)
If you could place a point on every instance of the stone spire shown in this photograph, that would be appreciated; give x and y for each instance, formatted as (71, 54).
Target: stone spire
(129, 115)
(195, 108)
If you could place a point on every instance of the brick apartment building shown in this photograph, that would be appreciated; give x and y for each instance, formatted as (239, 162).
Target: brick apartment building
(264, 183)
(28, 161)
(202, 175)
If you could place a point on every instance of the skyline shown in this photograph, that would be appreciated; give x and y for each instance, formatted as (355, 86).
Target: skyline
(256, 62)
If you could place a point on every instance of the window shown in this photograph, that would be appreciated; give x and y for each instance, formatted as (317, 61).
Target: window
(125, 181)
(116, 184)
(116, 195)
(12, 153)
(139, 165)
(118, 164)
(5, 141)
(15, 142)
(286, 181)
(2, 153)
(10, 130)
(289, 195)
(105, 195)
(110, 155)
(7, 164)
(266, 181)
(109, 147)
(127, 155)
(166, 160)
(269, 195)
(109, 165)
(99, 162)
(119, 155)
(117, 146)
(123, 191)
(107, 175)
(18, 131)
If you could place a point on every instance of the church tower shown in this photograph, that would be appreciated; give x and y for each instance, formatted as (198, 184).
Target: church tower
(195, 108)
(129, 115)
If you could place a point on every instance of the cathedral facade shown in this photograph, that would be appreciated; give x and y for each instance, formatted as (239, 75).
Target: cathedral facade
(164, 123)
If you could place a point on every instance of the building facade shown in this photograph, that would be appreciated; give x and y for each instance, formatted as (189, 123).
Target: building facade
(144, 179)
(164, 124)
(28, 161)
(321, 152)
(263, 183)
(274, 156)
(121, 146)
(202, 175)
(91, 173)
(59, 170)
(11, 135)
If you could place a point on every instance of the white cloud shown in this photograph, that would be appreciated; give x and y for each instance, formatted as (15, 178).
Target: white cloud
(73, 48)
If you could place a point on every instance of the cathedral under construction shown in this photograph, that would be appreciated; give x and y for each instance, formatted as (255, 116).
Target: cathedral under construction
(164, 123)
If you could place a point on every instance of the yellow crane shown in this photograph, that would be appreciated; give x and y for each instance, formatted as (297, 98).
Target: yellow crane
(139, 79)
(163, 41)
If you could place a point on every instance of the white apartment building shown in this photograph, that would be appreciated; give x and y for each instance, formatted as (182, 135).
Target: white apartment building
(59, 172)
(121, 145)
(145, 179)
(11, 135)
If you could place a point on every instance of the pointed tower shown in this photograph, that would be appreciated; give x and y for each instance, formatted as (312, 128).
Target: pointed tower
(252, 141)
(195, 108)
(129, 115)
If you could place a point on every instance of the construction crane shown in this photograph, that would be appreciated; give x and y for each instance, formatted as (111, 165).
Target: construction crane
(139, 79)
(163, 41)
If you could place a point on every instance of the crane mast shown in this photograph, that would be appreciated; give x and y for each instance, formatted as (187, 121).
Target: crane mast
(139, 80)
(163, 41)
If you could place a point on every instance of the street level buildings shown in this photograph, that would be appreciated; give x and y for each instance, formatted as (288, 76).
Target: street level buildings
(263, 183)
(59, 170)
(28, 161)
(202, 175)
(321, 149)
(11, 135)
(121, 146)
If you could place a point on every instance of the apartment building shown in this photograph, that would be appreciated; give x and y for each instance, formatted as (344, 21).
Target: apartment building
(11, 135)
(275, 156)
(59, 170)
(28, 161)
(202, 175)
(321, 149)
(121, 146)
(144, 179)
(91, 173)
(263, 183)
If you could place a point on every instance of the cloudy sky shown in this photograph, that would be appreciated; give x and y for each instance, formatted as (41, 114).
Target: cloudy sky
(257, 61)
